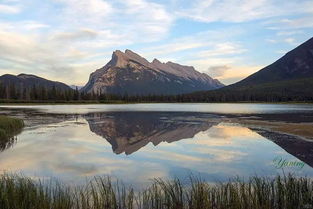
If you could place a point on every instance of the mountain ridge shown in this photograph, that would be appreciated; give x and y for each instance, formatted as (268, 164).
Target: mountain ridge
(28, 80)
(128, 72)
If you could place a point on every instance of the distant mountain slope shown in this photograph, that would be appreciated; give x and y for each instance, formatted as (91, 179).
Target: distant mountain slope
(28, 81)
(288, 79)
(129, 73)
(296, 64)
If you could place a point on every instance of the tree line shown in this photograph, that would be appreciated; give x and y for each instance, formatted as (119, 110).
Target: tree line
(35, 93)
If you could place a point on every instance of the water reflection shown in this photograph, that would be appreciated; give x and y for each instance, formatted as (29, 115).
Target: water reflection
(300, 148)
(7, 143)
(129, 131)
(73, 147)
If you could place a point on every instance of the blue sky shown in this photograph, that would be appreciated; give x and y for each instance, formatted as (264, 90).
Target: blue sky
(66, 40)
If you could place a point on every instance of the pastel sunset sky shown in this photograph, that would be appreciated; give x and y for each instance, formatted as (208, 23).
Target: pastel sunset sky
(66, 40)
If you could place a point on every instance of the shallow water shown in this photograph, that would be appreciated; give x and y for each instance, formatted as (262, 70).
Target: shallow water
(225, 108)
(137, 143)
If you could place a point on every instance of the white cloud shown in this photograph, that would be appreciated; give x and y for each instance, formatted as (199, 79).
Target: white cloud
(32, 55)
(243, 10)
(218, 70)
(82, 11)
(147, 20)
(9, 9)
(211, 39)
(290, 40)
(289, 33)
(304, 22)
(229, 11)
(75, 33)
(222, 49)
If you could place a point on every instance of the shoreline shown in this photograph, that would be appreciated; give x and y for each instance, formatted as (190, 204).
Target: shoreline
(300, 125)
(304, 130)
(122, 102)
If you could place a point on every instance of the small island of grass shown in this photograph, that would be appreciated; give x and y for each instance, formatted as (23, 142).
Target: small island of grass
(9, 127)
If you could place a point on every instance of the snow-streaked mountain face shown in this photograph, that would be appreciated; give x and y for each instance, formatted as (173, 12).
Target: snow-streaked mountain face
(129, 73)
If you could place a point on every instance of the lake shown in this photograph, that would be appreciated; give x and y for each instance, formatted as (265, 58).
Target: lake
(138, 142)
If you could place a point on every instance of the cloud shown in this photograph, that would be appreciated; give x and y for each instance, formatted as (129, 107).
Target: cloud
(85, 11)
(217, 71)
(22, 26)
(291, 25)
(74, 33)
(243, 10)
(75, 37)
(289, 33)
(150, 19)
(289, 40)
(30, 54)
(211, 11)
(9, 9)
(222, 49)
(303, 22)
(201, 43)
(238, 72)
(81, 34)
(228, 73)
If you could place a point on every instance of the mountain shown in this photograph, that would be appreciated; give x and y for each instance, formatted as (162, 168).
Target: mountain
(128, 132)
(296, 64)
(129, 73)
(290, 78)
(31, 87)
(298, 147)
(28, 81)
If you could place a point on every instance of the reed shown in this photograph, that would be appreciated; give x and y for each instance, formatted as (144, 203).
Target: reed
(281, 192)
(9, 127)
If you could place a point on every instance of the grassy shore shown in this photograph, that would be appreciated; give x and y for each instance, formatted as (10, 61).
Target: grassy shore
(8, 128)
(17, 192)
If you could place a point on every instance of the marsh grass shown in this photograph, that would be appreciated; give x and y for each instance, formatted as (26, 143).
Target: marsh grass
(9, 127)
(288, 192)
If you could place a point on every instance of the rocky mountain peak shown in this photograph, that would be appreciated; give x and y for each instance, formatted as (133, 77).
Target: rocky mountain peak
(156, 61)
(128, 72)
(121, 59)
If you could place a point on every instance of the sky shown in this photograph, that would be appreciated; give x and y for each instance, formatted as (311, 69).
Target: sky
(66, 40)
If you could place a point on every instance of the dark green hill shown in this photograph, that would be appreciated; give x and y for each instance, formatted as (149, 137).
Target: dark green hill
(31, 87)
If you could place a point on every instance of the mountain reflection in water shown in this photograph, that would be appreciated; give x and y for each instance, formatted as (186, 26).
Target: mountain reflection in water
(299, 148)
(129, 131)
(76, 146)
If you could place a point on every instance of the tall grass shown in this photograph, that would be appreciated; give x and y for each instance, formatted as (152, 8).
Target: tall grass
(288, 192)
(9, 127)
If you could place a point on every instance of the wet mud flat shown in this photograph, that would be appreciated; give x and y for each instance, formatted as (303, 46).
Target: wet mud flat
(298, 124)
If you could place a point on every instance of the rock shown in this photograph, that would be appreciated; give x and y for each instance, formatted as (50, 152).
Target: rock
(129, 73)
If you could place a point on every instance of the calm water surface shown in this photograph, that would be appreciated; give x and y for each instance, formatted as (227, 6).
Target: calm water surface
(138, 142)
